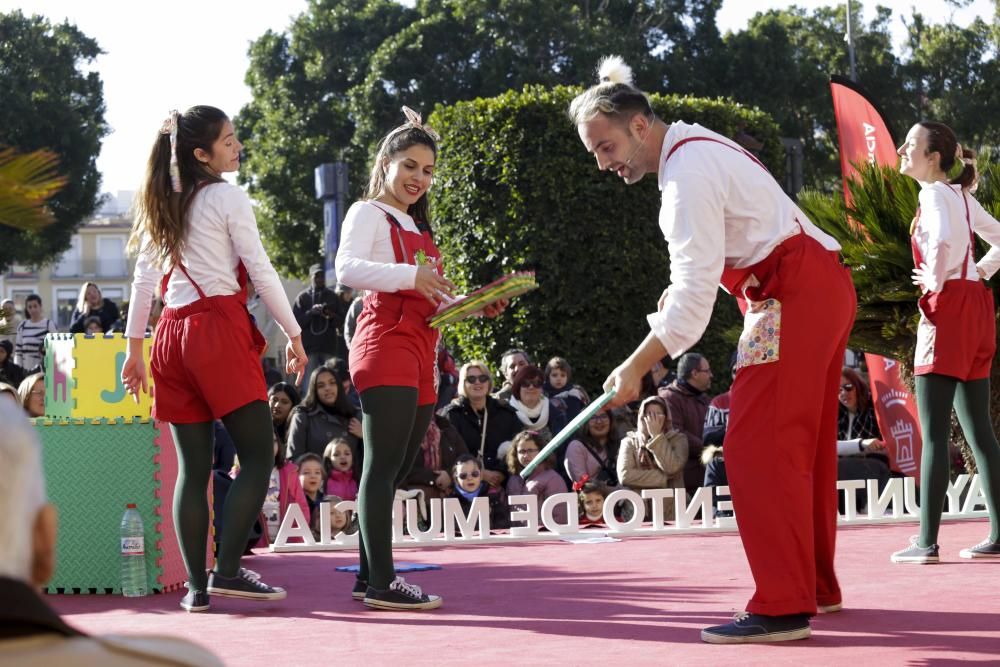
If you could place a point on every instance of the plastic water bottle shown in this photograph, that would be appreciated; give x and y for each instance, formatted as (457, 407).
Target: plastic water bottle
(133, 554)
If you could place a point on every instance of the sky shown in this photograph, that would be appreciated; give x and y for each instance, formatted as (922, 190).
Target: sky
(154, 62)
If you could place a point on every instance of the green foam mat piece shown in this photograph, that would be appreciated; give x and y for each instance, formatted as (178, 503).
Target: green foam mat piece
(92, 470)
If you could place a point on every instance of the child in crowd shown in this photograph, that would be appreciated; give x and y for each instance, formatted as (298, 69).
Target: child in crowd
(9, 391)
(339, 519)
(283, 490)
(338, 462)
(559, 387)
(311, 478)
(469, 485)
(544, 481)
(592, 496)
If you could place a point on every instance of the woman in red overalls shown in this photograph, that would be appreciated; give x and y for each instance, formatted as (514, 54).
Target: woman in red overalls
(190, 220)
(956, 337)
(386, 249)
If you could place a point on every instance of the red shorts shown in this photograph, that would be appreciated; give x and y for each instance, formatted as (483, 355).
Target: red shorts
(205, 361)
(394, 347)
(957, 336)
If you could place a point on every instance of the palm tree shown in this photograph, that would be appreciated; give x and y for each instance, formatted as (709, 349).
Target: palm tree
(874, 232)
(27, 181)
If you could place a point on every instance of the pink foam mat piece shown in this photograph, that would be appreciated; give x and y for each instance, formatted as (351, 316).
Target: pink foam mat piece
(174, 574)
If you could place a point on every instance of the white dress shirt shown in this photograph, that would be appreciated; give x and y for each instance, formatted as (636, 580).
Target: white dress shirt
(942, 235)
(222, 232)
(720, 209)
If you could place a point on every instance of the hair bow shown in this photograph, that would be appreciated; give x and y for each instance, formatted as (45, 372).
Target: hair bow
(413, 119)
(170, 127)
(578, 485)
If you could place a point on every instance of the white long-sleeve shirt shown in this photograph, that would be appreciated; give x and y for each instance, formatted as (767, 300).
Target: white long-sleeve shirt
(365, 258)
(222, 232)
(942, 235)
(719, 209)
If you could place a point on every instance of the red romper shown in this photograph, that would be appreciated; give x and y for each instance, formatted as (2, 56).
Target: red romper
(205, 359)
(780, 448)
(393, 346)
(956, 336)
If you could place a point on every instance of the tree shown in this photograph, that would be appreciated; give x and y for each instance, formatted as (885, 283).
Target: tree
(334, 83)
(51, 103)
(299, 116)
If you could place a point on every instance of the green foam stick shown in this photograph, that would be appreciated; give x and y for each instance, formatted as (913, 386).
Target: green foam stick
(568, 430)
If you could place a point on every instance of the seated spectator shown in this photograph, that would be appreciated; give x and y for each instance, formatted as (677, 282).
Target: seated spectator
(594, 453)
(311, 479)
(534, 409)
(440, 448)
(89, 304)
(339, 519)
(29, 351)
(688, 400)
(10, 372)
(483, 422)
(92, 325)
(715, 471)
(592, 497)
(338, 463)
(31, 633)
(653, 456)
(543, 481)
(282, 397)
(324, 414)
(31, 391)
(559, 388)
(861, 453)
(9, 391)
(717, 417)
(469, 485)
(339, 368)
(283, 490)
(511, 362)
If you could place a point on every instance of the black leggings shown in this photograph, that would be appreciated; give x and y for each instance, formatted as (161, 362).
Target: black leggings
(936, 394)
(394, 426)
(251, 431)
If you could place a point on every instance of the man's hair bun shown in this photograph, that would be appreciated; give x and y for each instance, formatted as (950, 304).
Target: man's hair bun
(613, 69)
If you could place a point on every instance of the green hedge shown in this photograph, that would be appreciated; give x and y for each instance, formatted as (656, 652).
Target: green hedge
(515, 189)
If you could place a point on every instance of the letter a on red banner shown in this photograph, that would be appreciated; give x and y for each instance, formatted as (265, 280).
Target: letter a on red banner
(864, 137)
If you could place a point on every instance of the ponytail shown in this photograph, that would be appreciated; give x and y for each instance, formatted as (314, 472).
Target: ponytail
(969, 177)
(941, 139)
(161, 224)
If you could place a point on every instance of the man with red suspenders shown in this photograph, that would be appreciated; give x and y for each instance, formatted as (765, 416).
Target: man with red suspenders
(727, 221)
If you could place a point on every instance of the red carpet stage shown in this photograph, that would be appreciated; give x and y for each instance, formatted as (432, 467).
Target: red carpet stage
(637, 601)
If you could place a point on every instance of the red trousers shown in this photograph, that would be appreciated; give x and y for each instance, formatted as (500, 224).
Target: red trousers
(781, 454)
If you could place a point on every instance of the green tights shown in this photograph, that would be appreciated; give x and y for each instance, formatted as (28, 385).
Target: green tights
(936, 394)
(250, 429)
(394, 426)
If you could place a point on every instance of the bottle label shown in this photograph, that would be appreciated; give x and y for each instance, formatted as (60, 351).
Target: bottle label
(132, 546)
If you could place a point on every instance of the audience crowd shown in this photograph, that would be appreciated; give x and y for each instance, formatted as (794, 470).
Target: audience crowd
(483, 435)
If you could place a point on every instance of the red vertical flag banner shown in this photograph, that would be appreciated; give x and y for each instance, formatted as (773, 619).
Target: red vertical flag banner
(864, 137)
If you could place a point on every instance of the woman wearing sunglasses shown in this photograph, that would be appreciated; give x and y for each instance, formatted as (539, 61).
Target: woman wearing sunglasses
(483, 422)
(534, 409)
(860, 450)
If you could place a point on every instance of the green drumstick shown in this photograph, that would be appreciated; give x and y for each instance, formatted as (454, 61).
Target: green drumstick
(568, 430)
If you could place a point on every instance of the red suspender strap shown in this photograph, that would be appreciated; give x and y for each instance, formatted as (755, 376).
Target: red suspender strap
(399, 247)
(972, 238)
(750, 155)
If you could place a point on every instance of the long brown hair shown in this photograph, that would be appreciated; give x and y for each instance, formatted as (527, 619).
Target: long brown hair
(861, 391)
(398, 140)
(161, 222)
(941, 139)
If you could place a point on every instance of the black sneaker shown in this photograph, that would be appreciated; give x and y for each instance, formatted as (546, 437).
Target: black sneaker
(985, 549)
(244, 586)
(401, 596)
(360, 589)
(195, 601)
(917, 554)
(747, 628)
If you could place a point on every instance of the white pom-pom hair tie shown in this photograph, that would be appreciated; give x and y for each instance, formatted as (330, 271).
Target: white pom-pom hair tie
(612, 69)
